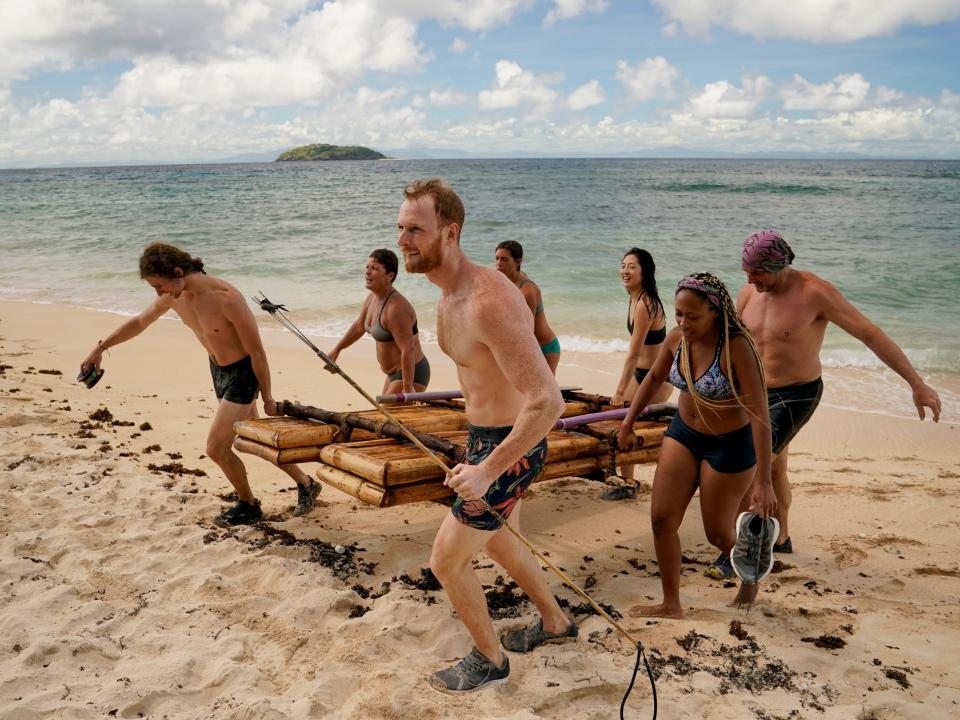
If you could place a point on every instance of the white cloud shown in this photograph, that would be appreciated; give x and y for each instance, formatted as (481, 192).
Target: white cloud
(814, 20)
(723, 100)
(586, 95)
(651, 78)
(98, 128)
(476, 15)
(515, 86)
(447, 98)
(843, 93)
(301, 70)
(459, 46)
(567, 9)
(60, 34)
(949, 99)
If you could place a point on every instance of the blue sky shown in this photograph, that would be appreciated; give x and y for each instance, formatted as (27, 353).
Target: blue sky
(195, 80)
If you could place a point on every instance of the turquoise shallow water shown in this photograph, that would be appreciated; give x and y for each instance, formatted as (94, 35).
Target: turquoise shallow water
(887, 233)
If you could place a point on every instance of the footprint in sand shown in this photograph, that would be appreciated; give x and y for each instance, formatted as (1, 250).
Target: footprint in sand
(21, 419)
(845, 555)
(937, 571)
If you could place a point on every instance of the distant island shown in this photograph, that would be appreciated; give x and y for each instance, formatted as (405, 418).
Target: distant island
(320, 151)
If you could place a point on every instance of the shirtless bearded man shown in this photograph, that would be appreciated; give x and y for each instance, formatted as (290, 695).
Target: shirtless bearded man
(512, 401)
(219, 317)
(787, 312)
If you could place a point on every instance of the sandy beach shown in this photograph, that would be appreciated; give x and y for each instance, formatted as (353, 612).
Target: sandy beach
(122, 599)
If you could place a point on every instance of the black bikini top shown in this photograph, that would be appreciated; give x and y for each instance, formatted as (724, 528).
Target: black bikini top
(654, 337)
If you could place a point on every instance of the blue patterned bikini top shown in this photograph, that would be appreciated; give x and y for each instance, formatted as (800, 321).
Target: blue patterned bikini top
(713, 384)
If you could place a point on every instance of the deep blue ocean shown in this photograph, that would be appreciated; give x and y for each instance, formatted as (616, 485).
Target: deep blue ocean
(886, 233)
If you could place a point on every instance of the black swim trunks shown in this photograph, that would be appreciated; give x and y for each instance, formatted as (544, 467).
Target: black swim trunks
(640, 374)
(236, 382)
(790, 408)
(507, 490)
(421, 372)
(730, 452)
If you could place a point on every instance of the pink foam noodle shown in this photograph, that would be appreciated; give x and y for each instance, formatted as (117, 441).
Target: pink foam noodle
(577, 420)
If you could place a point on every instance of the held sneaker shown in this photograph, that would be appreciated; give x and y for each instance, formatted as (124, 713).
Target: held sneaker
(720, 569)
(752, 556)
(243, 513)
(524, 640)
(473, 673)
(305, 498)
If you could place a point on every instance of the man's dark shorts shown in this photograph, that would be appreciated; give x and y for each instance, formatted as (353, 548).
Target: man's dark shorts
(507, 490)
(790, 408)
(236, 382)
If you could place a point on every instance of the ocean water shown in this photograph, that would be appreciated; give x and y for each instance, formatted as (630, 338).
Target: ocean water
(886, 233)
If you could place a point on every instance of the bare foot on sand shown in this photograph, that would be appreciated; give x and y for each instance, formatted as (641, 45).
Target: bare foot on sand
(746, 595)
(658, 611)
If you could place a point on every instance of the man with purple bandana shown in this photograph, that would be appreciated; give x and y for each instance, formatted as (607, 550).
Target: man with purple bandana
(787, 312)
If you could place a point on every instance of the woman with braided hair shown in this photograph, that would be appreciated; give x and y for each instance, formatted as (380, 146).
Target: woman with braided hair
(719, 439)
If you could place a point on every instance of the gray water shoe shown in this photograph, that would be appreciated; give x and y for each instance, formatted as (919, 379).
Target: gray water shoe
(472, 673)
(752, 556)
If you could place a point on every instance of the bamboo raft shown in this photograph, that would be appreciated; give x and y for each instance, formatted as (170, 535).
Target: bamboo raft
(359, 453)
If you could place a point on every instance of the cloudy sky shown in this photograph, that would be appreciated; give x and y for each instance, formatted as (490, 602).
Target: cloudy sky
(194, 80)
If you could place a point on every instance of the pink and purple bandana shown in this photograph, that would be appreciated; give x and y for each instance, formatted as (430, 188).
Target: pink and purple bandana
(766, 251)
(712, 293)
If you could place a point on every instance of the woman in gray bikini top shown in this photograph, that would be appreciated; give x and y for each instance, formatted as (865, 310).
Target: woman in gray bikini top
(394, 328)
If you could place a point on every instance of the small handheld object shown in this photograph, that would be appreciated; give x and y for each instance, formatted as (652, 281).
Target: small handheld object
(90, 376)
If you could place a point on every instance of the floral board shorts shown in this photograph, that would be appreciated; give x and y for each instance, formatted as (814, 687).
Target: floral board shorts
(507, 490)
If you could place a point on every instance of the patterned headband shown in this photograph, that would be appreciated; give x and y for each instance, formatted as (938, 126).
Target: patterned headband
(712, 293)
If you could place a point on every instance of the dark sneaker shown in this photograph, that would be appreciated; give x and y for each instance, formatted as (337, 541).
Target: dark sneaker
(619, 492)
(721, 569)
(752, 556)
(305, 498)
(473, 673)
(526, 639)
(786, 547)
(243, 513)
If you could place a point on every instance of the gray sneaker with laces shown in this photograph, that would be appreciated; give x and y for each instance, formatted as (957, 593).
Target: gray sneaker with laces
(752, 556)
(526, 639)
(305, 498)
(472, 673)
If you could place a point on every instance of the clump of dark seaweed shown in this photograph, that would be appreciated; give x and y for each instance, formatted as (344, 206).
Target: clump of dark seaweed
(101, 415)
(427, 582)
(744, 666)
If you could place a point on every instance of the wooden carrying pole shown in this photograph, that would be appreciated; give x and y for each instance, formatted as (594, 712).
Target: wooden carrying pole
(389, 428)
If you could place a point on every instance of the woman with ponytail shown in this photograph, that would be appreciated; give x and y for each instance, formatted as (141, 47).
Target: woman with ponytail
(719, 439)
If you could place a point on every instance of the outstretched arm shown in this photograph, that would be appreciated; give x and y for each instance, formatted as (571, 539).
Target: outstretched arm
(840, 311)
(654, 379)
(353, 333)
(129, 330)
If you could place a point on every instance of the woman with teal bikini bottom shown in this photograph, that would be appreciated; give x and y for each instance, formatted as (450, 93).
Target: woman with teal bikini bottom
(509, 256)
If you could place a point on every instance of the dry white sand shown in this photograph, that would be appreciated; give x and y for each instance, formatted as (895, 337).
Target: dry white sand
(121, 598)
